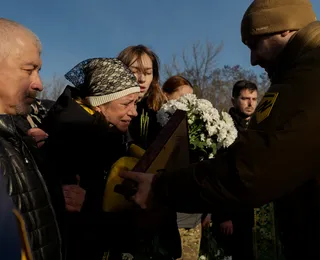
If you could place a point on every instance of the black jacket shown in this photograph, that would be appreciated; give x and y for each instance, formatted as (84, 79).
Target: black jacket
(240, 123)
(29, 192)
(83, 144)
(245, 216)
(144, 128)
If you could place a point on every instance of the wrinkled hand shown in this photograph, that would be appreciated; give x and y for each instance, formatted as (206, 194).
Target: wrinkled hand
(227, 227)
(207, 221)
(144, 181)
(74, 196)
(38, 135)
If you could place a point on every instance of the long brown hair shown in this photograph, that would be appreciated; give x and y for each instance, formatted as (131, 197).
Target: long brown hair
(173, 83)
(154, 95)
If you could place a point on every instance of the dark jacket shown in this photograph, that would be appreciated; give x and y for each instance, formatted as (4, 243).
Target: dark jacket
(38, 112)
(29, 192)
(277, 159)
(240, 123)
(244, 217)
(83, 144)
(144, 128)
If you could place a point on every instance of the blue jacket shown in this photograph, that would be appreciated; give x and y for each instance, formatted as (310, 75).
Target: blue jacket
(13, 239)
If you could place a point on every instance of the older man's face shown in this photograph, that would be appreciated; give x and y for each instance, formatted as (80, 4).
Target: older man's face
(19, 76)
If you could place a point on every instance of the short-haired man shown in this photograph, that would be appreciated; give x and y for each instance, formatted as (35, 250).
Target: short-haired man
(277, 158)
(244, 101)
(237, 227)
(20, 82)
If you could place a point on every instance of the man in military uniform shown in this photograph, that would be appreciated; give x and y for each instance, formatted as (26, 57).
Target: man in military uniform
(277, 158)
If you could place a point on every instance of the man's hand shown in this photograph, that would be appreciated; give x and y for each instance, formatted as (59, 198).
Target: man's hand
(226, 227)
(144, 181)
(74, 196)
(38, 135)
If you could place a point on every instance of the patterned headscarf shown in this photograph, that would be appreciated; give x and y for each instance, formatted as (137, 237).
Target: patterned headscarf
(102, 80)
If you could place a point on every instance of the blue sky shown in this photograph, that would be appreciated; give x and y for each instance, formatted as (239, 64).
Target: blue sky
(74, 30)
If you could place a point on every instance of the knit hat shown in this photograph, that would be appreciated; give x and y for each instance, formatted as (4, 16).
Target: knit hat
(101, 80)
(273, 16)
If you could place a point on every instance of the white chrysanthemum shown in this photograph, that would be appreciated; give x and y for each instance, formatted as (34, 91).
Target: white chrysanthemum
(206, 117)
(169, 107)
(126, 256)
(210, 129)
(209, 142)
(231, 136)
(204, 104)
(191, 118)
(227, 118)
(215, 114)
(189, 99)
(182, 106)
(222, 133)
(162, 117)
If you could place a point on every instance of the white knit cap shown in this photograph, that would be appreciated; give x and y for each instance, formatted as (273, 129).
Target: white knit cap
(102, 80)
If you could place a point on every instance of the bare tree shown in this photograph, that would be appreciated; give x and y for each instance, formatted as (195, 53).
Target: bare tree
(197, 66)
(210, 82)
(53, 88)
(224, 79)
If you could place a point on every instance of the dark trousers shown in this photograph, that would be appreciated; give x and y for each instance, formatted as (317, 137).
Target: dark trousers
(242, 240)
(239, 245)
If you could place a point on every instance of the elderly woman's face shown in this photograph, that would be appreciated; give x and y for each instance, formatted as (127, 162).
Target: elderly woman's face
(120, 112)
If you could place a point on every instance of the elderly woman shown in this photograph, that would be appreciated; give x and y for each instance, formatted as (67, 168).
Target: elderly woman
(87, 133)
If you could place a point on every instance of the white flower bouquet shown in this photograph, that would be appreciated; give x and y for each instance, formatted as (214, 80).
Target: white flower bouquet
(209, 130)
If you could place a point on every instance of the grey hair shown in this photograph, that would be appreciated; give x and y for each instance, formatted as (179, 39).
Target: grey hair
(7, 30)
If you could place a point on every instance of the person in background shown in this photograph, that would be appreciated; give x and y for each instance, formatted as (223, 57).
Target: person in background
(145, 65)
(176, 86)
(189, 224)
(234, 230)
(162, 241)
(20, 63)
(244, 100)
